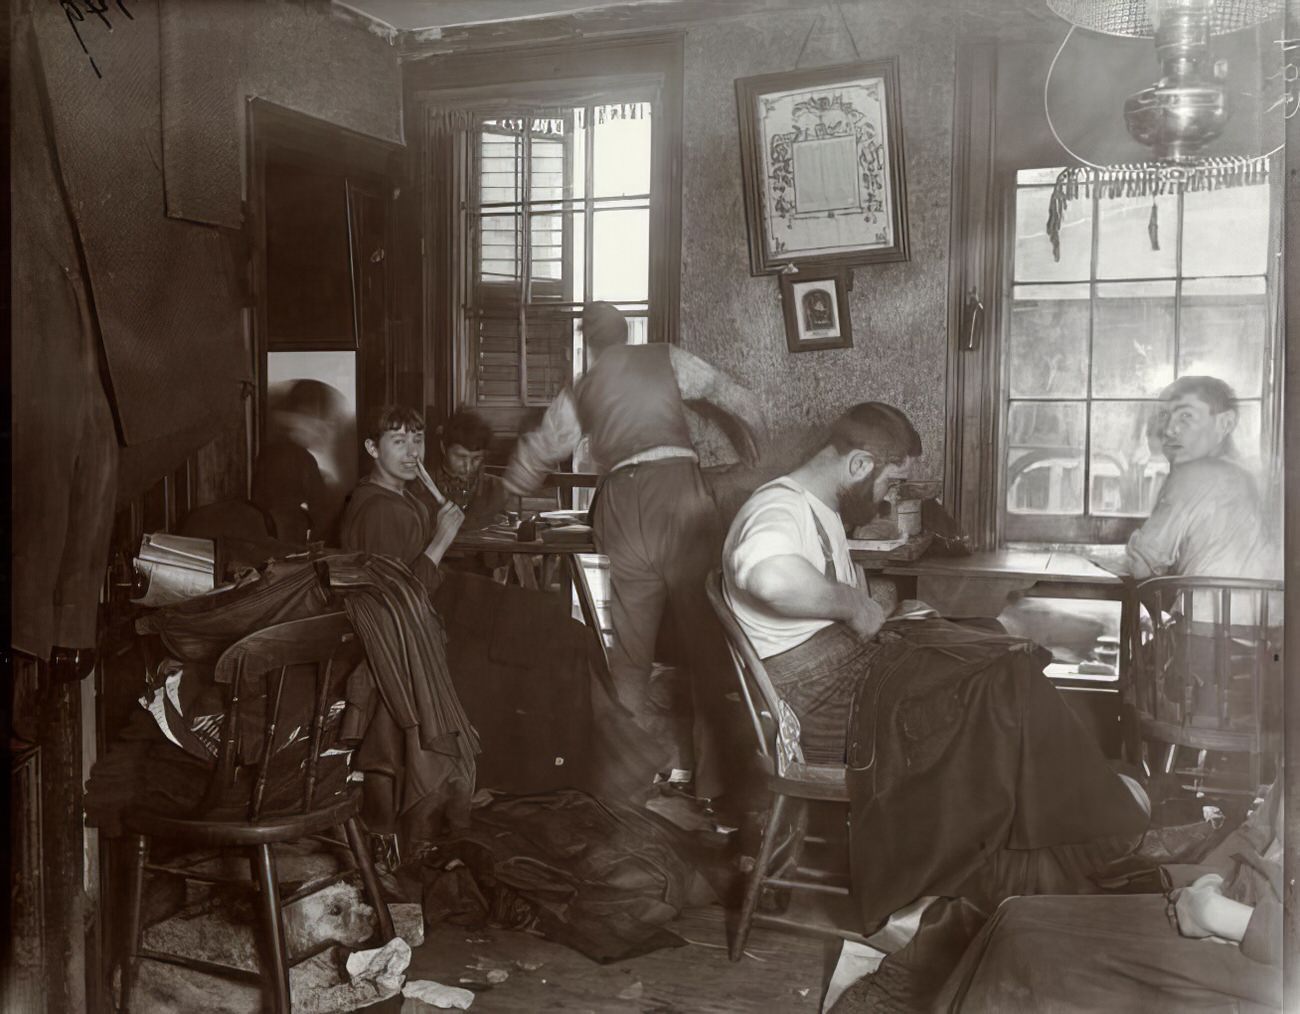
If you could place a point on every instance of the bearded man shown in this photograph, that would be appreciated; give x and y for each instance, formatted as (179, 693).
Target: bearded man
(968, 775)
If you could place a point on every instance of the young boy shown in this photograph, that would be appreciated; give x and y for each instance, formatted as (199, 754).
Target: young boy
(383, 516)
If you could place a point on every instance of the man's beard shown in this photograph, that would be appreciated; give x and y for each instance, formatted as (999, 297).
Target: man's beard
(859, 504)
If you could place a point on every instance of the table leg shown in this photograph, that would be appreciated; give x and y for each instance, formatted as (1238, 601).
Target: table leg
(591, 618)
(524, 570)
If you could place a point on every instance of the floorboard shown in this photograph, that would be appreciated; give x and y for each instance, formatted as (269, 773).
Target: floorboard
(784, 972)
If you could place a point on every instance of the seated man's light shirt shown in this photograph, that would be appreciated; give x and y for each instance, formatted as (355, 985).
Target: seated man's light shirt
(778, 521)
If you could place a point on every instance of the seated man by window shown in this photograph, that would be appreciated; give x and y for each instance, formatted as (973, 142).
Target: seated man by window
(1208, 519)
(383, 516)
(968, 774)
(1207, 522)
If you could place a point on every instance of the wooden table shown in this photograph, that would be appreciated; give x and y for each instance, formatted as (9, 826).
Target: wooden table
(979, 584)
(1051, 574)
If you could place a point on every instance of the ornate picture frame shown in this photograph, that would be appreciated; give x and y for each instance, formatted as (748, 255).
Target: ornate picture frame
(821, 155)
(816, 306)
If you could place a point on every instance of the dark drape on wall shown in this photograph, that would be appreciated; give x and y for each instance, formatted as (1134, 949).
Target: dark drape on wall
(128, 343)
(65, 452)
(166, 293)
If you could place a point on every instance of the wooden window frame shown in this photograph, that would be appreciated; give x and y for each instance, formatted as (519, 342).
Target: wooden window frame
(978, 291)
(545, 74)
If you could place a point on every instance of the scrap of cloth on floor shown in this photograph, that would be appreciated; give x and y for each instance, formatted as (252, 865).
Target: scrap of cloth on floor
(401, 711)
(969, 776)
(600, 877)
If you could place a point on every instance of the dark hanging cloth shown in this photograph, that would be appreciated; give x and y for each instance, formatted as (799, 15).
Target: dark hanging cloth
(969, 776)
(65, 450)
(506, 643)
(167, 294)
(600, 877)
(402, 704)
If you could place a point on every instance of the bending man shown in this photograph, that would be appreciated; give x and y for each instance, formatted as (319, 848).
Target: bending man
(652, 515)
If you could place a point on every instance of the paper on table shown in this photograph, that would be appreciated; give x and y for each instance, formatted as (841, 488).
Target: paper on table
(169, 583)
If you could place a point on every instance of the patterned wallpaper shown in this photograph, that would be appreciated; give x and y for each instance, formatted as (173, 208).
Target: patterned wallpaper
(898, 310)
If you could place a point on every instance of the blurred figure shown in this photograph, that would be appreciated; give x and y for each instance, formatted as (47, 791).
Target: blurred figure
(652, 515)
(287, 480)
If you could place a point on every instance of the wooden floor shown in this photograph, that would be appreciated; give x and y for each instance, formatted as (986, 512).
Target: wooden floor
(785, 972)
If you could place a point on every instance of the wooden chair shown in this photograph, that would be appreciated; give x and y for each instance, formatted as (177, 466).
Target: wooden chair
(792, 782)
(261, 663)
(1207, 675)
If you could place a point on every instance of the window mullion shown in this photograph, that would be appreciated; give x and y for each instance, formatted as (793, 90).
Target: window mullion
(1092, 326)
(1178, 289)
(525, 250)
(588, 208)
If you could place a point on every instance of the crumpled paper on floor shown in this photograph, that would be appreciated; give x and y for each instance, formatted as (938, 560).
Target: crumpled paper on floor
(384, 966)
(435, 994)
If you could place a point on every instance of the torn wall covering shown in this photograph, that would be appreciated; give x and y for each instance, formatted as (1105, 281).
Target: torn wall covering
(899, 311)
(155, 307)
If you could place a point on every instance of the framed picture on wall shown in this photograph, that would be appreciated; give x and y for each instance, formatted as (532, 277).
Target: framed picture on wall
(817, 309)
(821, 155)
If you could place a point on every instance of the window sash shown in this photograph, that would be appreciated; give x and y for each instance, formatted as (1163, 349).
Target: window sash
(550, 306)
(1091, 525)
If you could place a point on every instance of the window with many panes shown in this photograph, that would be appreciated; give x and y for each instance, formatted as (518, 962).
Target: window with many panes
(1141, 291)
(558, 214)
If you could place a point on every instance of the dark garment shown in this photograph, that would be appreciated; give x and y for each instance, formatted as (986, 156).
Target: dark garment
(602, 878)
(657, 524)
(397, 525)
(1249, 861)
(403, 705)
(970, 777)
(65, 454)
(818, 679)
(1103, 953)
(518, 645)
(629, 402)
(143, 770)
(909, 980)
(287, 484)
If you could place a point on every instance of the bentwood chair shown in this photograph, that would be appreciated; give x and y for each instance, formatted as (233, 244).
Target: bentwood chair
(262, 790)
(1207, 675)
(792, 782)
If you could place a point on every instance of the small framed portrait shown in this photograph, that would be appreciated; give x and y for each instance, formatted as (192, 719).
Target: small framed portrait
(816, 309)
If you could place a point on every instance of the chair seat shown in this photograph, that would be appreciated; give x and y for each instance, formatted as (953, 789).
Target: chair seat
(204, 831)
(1226, 740)
(812, 781)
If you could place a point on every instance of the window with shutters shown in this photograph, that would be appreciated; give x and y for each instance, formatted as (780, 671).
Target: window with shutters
(558, 213)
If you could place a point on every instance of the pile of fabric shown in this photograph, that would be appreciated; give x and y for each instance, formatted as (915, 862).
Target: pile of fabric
(401, 712)
(602, 878)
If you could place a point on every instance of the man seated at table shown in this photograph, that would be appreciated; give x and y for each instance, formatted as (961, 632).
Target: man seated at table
(1208, 519)
(383, 516)
(1207, 522)
(968, 774)
(463, 441)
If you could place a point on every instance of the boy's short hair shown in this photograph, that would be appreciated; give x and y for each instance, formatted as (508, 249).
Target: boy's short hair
(468, 429)
(390, 418)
